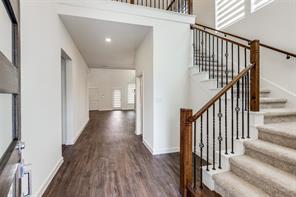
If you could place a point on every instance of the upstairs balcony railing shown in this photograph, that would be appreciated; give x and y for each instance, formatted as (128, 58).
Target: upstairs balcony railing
(180, 6)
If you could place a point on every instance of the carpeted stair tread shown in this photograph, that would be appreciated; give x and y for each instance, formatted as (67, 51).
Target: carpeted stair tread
(234, 186)
(285, 129)
(278, 112)
(272, 100)
(278, 156)
(270, 179)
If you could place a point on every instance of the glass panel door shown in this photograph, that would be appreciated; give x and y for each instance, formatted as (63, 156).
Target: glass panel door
(10, 133)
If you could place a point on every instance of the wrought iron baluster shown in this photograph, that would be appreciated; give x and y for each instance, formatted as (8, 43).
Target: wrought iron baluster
(213, 56)
(202, 51)
(201, 145)
(199, 46)
(209, 55)
(194, 155)
(193, 46)
(237, 109)
(205, 59)
(220, 133)
(225, 118)
(243, 106)
(232, 105)
(238, 67)
(248, 106)
(226, 59)
(222, 64)
(217, 62)
(214, 136)
(207, 140)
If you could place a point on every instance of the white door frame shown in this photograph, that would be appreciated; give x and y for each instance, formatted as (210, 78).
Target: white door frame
(66, 111)
(139, 105)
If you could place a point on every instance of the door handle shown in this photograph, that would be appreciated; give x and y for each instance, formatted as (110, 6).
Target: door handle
(28, 173)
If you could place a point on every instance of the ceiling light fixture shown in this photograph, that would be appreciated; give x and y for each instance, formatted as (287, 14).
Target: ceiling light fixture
(108, 39)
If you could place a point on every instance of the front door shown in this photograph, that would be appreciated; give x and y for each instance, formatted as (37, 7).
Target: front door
(10, 133)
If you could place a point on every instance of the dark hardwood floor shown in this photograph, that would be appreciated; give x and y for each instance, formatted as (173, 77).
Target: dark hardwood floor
(110, 160)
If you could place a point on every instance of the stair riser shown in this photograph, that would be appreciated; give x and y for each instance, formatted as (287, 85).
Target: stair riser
(258, 181)
(279, 119)
(272, 105)
(264, 94)
(262, 106)
(277, 139)
(215, 91)
(272, 160)
(215, 68)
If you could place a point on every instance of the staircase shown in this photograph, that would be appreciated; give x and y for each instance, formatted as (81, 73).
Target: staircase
(268, 165)
(263, 163)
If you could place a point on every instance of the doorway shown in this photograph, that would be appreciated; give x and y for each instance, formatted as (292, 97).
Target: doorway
(65, 82)
(139, 105)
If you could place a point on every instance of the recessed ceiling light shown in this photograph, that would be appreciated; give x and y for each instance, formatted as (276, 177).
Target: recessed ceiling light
(108, 39)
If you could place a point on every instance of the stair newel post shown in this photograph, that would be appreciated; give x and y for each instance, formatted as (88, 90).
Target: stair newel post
(185, 151)
(190, 6)
(255, 76)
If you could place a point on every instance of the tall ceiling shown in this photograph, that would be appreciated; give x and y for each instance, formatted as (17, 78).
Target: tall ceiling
(89, 35)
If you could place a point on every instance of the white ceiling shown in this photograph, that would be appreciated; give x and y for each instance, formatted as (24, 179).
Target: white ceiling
(89, 36)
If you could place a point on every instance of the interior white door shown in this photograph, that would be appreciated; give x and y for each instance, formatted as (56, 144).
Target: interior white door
(64, 98)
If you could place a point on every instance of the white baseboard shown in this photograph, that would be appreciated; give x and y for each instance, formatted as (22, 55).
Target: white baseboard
(78, 135)
(166, 151)
(147, 145)
(47, 181)
(160, 151)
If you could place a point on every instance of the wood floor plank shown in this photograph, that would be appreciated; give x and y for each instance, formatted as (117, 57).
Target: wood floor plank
(108, 159)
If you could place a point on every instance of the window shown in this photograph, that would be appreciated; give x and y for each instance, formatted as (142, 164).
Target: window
(258, 4)
(5, 33)
(131, 93)
(116, 99)
(228, 12)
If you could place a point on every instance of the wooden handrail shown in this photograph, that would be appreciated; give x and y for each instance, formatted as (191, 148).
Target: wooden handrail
(222, 38)
(289, 54)
(189, 4)
(223, 32)
(221, 93)
(171, 4)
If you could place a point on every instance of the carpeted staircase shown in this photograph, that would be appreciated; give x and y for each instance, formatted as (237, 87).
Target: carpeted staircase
(268, 167)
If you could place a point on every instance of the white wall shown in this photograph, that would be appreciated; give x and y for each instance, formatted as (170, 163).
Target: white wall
(168, 81)
(144, 67)
(43, 36)
(274, 25)
(101, 83)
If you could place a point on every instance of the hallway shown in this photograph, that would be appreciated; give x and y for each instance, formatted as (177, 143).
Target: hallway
(108, 159)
